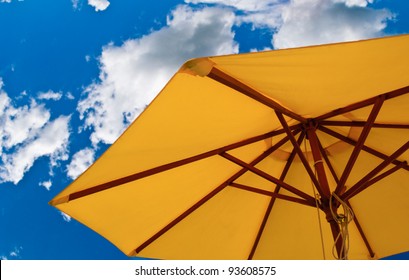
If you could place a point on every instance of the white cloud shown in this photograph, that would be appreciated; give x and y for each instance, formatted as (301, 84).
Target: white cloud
(26, 134)
(352, 3)
(9, 1)
(310, 22)
(66, 217)
(260, 50)
(49, 95)
(80, 162)
(14, 254)
(50, 140)
(46, 184)
(269, 18)
(99, 5)
(133, 73)
(75, 4)
(70, 96)
(263, 14)
(19, 124)
(245, 5)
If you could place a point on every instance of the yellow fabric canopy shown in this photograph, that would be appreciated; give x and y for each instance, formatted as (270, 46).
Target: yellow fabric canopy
(245, 156)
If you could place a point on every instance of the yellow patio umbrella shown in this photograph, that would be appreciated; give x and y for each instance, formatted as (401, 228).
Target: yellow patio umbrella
(286, 154)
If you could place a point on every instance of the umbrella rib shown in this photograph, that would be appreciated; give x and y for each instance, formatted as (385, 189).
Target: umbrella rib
(364, 103)
(361, 124)
(230, 81)
(361, 232)
(353, 143)
(272, 194)
(357, 149)
(168, 166)
(273, 199)
(268, 177)
(366, 181)
(378, 178)
(209, 196)
(299, 152)
(328, 162)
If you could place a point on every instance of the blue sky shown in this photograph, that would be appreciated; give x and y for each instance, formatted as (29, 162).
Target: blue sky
(75, 73)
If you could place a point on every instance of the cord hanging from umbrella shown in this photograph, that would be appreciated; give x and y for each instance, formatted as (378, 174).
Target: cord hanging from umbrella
(343, 220)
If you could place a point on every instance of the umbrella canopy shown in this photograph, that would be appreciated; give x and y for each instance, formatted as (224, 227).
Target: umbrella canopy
(287, 154)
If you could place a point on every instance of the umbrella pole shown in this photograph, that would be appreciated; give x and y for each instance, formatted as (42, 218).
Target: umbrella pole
(336, 234)
(324, 190)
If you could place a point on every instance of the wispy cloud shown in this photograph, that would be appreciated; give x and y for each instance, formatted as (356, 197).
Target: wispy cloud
(244, 5)
(46, 184)
(28, 133)
(49, 95)
(133, 73)
(20, 124)
(75, 4)
(354, 3)
(13, 254)
(261, 14)
(66, 217)
(99, 5)
(9, 1)
(51, 140)
(309, 22)
(70, 96)
(80, 162)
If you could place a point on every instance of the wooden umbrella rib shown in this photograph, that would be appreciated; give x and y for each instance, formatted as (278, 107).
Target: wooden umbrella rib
(369, 180)
(361, 232)
(273, 199)
(358, 187)
(209, 196)
(361, 124)
(268, 177)
(299, 152)
(180, 218)
(232, 82)
(272, 194)
(357, 149)
(327, 161)
(368, 102)
(364, 148)
(168, 166)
